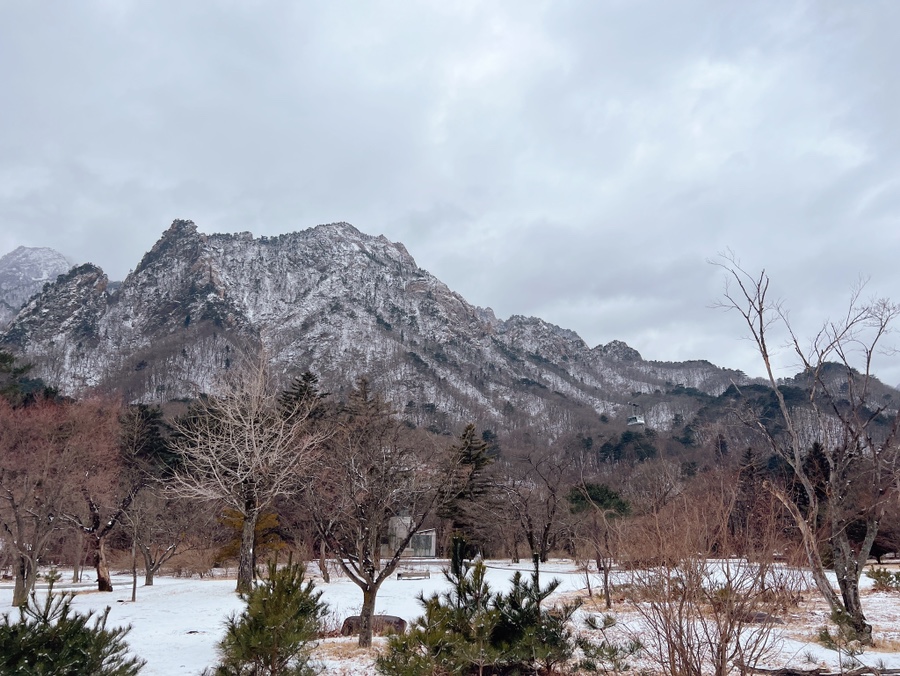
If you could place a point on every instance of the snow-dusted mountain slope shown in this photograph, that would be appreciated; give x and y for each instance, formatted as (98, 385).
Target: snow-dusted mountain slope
(23, 272)
(343, 305)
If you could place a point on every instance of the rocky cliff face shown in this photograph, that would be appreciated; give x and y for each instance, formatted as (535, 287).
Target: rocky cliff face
(343, 305)
(23, 272)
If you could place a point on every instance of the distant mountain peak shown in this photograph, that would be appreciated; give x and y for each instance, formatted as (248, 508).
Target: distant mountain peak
(39, 263)
(23, 272)
(618, 350)
(341, 227)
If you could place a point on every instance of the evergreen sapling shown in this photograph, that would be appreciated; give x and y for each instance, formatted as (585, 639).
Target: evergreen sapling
(275, 632)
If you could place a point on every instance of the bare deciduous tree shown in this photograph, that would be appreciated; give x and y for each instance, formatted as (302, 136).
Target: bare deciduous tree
(534, 483)
(246, 447)
(163, 526)
(135, 456)
(375, 488)
(856, 432)
(599, 508)
(49, 452)
(98, 526)
(31, 464)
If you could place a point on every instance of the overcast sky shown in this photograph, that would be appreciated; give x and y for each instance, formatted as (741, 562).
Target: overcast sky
(576, 161)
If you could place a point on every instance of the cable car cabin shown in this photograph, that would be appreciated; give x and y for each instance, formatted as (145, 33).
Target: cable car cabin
(634, 420)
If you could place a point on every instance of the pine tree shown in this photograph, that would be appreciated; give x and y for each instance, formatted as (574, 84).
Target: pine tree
(15, 385)
(462, 508)
(455, 634)
(528, 633)
(472, 630)
(303, 394)
(272, 636)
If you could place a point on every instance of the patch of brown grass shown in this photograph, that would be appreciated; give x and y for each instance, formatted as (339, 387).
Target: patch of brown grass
(344, 650)
(887, 645)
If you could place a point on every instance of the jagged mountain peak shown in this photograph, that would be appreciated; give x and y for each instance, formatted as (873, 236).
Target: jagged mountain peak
(70, 308)
(331, 240)
(85, 270)
(180, 227)
(180, 235)
(539, 337)
(619, 351)
(487, 315)
(343, 238)
(341, 228)
(521, 322)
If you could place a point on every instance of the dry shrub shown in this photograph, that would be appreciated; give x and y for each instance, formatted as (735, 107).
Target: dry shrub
(703, 612)
(194, 562)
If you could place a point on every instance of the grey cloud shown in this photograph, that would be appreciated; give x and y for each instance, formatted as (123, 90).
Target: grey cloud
(576, 161)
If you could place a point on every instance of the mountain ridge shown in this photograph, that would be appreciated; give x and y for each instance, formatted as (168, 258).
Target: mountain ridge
(342, 304)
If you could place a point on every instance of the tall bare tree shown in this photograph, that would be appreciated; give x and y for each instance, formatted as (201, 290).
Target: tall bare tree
(598, 508)
(375, 487)
(855, 431)
(246, 447)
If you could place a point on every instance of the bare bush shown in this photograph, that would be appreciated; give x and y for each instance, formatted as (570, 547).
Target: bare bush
(703, 612)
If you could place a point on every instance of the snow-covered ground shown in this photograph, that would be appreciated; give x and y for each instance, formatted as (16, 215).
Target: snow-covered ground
(177, 622)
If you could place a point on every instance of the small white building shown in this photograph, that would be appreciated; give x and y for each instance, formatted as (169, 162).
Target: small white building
(422, 544)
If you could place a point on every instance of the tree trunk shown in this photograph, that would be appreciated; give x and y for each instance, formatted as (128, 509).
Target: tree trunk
(544, 552)
(79, 556)
(603, 567)
(149, 568)
(24, 580)
(607, 561)
(514, 551)
(104, 582)
(20, 594)
(547, 541)
(365, 617)
(530, 541)
(247, 561)
(847, 573)
(133, 571)
(84, 561)
(323, 564)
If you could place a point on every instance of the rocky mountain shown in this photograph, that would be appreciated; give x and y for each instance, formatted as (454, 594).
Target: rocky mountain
(23, 272)
(341, 304)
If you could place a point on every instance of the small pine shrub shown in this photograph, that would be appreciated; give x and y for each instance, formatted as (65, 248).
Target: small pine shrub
(472, 630)
(51, 638)
(605, 655)
(843, 640)
(884, 579)
(529, 635)
(274, 633)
